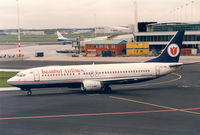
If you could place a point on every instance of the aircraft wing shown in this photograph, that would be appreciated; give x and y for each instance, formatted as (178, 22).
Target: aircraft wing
(124, 79)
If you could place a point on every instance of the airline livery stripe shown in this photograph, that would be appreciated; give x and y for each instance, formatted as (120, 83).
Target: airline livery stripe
(79, 80)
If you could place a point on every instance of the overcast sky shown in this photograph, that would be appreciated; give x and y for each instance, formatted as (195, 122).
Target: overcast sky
(90, 13)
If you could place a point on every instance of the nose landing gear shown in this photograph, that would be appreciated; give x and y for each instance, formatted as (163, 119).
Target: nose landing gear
(29, 92)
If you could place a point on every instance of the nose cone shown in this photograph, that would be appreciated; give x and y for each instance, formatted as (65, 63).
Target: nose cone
(9, 81)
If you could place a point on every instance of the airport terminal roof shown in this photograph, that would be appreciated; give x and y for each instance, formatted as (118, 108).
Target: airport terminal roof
(107, 42)
(173, 26)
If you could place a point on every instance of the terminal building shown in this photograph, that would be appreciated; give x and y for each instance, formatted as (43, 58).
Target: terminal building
(159, 34)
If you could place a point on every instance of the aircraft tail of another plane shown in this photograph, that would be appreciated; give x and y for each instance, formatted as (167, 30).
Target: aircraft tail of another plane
(172, 51)
(60, 36)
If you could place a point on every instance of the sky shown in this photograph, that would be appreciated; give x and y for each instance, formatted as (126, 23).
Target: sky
(90, 13)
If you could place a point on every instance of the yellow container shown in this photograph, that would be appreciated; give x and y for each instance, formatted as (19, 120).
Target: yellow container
(141, 45)
(141, 52)
(138, 45)
(130, 52)
(129, 45)
(137, 52)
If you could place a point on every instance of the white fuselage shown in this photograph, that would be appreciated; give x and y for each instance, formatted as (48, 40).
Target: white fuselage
(74, 76)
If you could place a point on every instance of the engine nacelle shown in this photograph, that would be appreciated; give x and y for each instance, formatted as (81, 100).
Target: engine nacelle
(89, 85)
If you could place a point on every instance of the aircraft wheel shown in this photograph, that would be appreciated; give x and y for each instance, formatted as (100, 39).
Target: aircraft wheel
(29, 93)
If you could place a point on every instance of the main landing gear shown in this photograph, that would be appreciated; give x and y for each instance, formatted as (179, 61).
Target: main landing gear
(107, 89)
(29, 92)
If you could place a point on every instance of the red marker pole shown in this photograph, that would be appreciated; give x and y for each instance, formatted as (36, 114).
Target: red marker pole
(19, 45)
(20, 54)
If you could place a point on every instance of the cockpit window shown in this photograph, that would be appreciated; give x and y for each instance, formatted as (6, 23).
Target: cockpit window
(21, 75)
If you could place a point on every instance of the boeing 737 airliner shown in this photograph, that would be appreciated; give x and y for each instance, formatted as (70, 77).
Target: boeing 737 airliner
(100, 77)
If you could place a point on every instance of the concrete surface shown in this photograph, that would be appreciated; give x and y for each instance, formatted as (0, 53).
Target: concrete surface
(166, 106)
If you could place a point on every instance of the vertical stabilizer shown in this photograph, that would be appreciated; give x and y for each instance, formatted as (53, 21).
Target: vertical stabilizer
(172, 51)
(59, 35)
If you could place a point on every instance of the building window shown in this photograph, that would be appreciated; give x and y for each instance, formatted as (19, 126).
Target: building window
(113, 46)
(99, 52)
(101, 46)
(93, 52)
(95, 46)
(106, 46)
(89, 46)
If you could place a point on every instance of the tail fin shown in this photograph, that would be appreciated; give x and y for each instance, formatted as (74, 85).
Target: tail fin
(59, 35)
(172, 51)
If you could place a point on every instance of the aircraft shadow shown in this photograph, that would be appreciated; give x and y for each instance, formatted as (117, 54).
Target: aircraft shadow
(118, 91)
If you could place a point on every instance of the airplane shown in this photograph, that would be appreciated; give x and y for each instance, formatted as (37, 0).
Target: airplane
(101, 76)
(61, 38)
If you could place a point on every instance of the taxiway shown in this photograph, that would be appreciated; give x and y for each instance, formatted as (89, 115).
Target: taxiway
(168, 105)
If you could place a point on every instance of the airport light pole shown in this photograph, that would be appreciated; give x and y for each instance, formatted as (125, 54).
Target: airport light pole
(19, 44)
(136, 17)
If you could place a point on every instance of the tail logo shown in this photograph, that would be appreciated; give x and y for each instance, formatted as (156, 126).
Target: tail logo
(173, 50)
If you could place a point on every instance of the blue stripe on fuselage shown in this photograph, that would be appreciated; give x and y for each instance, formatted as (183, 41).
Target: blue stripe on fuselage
(68, 39)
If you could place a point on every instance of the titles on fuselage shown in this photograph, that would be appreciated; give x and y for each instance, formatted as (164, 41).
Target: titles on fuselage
(61, 71)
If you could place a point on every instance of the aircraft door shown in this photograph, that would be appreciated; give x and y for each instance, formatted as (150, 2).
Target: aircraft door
(36, 76)
(94, 74)
(157, 70)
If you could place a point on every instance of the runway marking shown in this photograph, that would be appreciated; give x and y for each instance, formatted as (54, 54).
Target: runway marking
(94, 114)
(185, 86)
(176, 79)
(155, 105)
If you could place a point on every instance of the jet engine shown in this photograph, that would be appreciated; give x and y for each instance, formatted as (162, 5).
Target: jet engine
(89, 85)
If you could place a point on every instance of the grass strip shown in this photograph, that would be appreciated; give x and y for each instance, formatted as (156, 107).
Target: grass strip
(4, 76)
